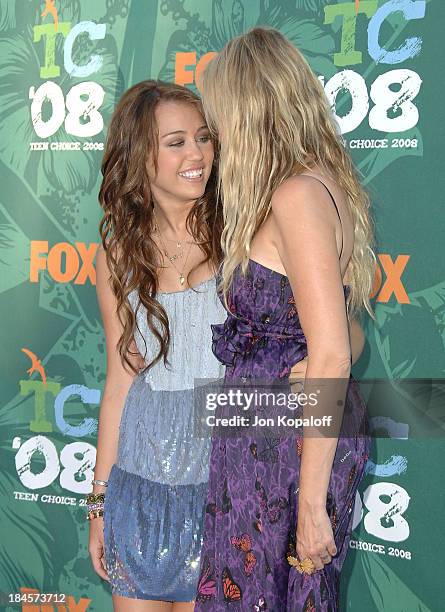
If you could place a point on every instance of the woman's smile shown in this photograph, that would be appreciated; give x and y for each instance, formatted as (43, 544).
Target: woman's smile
(192, 174)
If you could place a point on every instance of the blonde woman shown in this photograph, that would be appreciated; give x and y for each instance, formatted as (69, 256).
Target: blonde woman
(297, 265)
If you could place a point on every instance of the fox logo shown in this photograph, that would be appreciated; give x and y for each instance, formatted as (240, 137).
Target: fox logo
(65, 262)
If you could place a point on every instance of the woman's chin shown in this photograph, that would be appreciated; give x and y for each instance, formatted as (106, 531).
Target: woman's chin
(193, 191)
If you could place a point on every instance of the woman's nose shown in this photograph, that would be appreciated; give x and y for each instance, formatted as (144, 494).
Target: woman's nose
(195, 151)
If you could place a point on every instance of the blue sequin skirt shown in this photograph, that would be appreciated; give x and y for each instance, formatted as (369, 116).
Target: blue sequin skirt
(153, 537)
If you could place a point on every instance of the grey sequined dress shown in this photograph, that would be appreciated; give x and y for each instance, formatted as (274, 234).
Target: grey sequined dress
(154, 507)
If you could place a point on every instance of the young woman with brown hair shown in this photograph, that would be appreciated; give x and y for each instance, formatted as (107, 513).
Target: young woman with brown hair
(156, 289)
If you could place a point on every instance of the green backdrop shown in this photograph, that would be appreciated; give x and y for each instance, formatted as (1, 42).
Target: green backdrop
(63, 66)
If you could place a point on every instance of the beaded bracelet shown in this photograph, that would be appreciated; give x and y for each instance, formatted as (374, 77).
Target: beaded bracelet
(95, 498)
(95, 504)
(92, 507)
(94, 514)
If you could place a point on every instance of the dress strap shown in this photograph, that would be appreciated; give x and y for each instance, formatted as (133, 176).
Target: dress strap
(333, 202)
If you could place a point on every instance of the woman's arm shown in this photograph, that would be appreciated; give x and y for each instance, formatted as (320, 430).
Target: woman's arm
(117, 384)
(306, 223)
(357, 341)
(118, 379)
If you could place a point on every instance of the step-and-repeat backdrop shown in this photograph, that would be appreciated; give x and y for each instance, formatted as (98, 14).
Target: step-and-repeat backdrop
(63, 66)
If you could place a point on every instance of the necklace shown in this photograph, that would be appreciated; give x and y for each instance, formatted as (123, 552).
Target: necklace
(176, 256)
(177, 242)
(172, 258)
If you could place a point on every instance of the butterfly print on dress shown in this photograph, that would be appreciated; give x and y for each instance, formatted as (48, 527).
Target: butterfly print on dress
(226, 504)
(231, 590)
(270, 454)
(272, 509)
(206, 583)
(244, 543)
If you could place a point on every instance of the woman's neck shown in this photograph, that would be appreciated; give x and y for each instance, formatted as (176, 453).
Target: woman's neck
(172, 220)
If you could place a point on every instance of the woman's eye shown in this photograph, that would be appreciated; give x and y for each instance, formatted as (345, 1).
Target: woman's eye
(179, 143)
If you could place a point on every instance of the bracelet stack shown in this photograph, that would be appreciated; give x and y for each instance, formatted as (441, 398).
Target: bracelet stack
(95, 505)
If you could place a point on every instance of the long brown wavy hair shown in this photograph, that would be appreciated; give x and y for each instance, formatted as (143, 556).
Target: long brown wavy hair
(126, 198)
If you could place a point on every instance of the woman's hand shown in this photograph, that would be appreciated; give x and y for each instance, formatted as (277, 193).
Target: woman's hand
(96, 547)
(314, 536)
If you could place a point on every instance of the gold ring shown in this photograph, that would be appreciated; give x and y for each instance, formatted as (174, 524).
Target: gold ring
(306, 566)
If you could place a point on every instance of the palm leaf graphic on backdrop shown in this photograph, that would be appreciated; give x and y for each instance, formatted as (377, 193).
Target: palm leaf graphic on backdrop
(7, 15)
(388, 591)
(14, 252)
(27, 544)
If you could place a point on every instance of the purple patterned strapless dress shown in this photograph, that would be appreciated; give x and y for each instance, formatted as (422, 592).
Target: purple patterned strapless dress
(252, 502)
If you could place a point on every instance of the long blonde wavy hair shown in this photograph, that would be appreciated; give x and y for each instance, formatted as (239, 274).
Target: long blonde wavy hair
(273, 120)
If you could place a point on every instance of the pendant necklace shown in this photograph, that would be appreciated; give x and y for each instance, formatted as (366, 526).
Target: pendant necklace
(176, 256)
